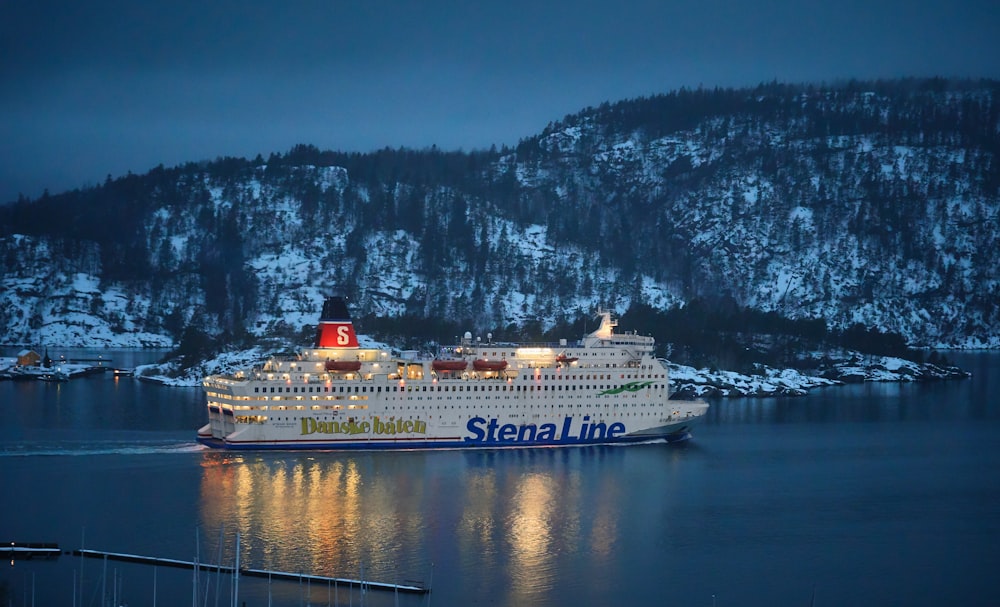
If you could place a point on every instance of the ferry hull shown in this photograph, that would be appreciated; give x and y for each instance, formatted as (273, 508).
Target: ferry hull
(672, 434)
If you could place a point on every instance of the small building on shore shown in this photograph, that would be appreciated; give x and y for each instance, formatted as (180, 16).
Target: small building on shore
(28, 358)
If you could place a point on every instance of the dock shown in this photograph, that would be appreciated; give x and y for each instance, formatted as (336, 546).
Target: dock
(413, 587)
(30, 550)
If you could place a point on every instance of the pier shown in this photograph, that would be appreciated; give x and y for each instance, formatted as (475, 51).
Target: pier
(30, 550)
(413, 587)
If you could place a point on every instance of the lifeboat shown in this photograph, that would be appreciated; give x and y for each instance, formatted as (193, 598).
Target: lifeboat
(489, 365)
(343, 366)
(449, 365)
(562, 358)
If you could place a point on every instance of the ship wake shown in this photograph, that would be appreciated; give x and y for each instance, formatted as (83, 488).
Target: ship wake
(64, 448)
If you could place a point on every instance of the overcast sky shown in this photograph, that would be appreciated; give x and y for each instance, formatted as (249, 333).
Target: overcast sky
(94, 88)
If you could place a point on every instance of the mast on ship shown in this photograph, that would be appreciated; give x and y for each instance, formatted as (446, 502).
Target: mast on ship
(604, 331)
(632, 343)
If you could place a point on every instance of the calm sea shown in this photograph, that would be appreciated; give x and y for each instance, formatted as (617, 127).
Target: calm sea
(878, 494)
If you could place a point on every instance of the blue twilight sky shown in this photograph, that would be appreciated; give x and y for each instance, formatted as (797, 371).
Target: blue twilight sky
(94, 88)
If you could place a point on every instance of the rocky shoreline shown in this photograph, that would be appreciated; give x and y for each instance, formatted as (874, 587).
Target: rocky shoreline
(688, 382)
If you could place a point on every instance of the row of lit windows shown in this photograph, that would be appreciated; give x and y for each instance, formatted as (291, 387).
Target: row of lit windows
(353, 398)
(434, 388)
(286, 407)
(578, 406)
(451, 389)
(575, 377)
(424, 407)
(544, 404)
(260, 419)
(568, 353)
(303, 389)
(362, 389)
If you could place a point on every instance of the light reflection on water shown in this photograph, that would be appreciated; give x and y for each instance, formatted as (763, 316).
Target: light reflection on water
(327, 514)
(521, 515)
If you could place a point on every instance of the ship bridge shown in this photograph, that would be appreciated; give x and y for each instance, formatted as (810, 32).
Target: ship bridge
(605, 337)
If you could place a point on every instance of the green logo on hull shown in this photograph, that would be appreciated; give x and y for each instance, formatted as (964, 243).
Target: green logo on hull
(632, 386)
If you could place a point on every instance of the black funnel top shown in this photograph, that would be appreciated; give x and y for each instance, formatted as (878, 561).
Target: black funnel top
(335, 309)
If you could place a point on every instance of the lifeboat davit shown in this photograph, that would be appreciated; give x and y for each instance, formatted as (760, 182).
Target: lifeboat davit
(343, 366)
(489, 365)
(450, 365)
(562, 358)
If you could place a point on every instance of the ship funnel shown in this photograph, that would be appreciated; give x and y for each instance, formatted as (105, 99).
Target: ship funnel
(335, 328)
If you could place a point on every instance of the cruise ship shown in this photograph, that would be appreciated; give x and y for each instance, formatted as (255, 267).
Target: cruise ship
(607, 387)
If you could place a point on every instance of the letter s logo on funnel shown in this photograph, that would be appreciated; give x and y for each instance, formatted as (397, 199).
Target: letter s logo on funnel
(336, 335)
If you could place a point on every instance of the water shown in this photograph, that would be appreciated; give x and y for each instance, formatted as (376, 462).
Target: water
(859, 495)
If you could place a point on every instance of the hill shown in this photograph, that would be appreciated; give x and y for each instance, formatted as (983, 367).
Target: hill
(869, 205)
